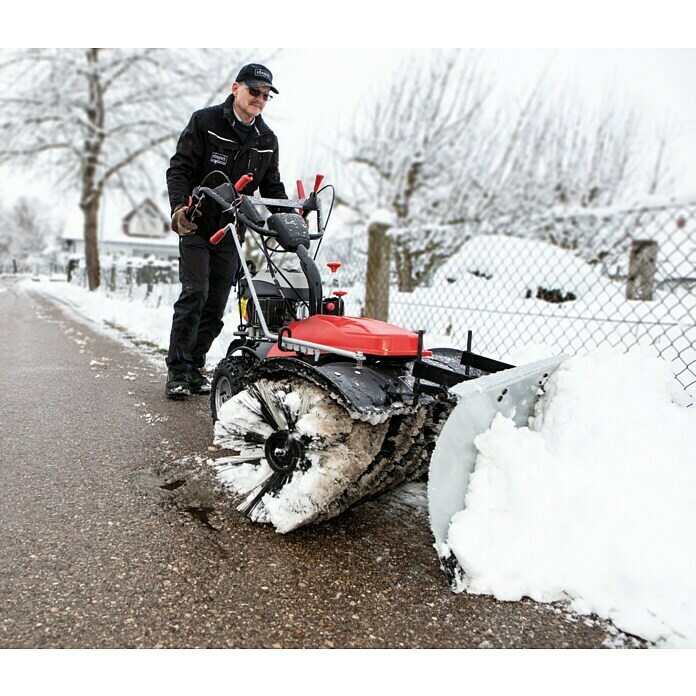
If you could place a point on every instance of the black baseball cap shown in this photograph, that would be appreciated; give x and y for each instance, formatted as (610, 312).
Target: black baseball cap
(256, 75)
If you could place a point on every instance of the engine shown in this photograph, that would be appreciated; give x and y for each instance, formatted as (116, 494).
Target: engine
(282, 300)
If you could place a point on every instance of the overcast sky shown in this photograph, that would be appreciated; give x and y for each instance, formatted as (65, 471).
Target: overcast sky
(321, 90)
(322, 87)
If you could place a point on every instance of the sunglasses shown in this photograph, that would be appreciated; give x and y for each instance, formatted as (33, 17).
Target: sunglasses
(258, 93)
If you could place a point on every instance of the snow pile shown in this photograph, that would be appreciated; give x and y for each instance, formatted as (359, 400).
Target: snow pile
(496, 258)
(595, 502)
(150, 324)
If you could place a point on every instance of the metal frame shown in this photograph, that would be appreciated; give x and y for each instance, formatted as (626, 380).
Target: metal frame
(307, 347)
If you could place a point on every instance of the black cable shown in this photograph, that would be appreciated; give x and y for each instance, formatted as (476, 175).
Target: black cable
(215, 171)
(267, 252)
(328, 217)
(333, 199)
(286, 300)
(291, 287)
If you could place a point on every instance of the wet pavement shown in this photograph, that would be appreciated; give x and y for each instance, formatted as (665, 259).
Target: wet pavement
(113, 534)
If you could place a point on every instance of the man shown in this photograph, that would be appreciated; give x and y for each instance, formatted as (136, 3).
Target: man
(231, 138)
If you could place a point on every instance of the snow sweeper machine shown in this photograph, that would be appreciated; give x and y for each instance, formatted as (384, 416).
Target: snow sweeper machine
(316, 411)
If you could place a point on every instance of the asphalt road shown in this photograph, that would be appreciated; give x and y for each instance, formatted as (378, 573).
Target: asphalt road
(112, 533)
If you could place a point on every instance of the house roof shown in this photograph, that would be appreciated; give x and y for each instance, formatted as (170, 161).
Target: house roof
(111, 225)
(149, 203)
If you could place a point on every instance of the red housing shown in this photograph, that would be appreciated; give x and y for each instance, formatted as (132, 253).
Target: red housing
(370, 336)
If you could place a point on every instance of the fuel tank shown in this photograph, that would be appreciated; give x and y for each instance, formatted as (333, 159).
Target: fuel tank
(369, 336)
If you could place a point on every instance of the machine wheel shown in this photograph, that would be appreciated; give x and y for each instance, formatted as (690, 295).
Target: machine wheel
(296, 451)
(228, 380)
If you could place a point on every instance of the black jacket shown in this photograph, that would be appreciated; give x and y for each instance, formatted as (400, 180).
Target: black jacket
(209, 143)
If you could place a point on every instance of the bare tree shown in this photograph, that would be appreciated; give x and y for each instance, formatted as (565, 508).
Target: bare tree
(26, 232)
(572, 158)
(446, 149)
(406, 156)
(91, 118)
(566, 153)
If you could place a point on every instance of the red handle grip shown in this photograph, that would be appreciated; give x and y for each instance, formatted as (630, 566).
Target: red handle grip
(190, 208)
(217, 237)
(243, 181)
(300, 193)
(317, 182)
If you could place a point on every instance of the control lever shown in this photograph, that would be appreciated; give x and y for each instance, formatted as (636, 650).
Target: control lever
(243, 181)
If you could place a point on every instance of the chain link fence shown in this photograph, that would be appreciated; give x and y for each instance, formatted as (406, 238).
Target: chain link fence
(152, 283)
(572, 282)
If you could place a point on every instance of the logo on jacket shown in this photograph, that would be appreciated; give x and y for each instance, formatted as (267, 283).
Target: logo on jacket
(218, 158)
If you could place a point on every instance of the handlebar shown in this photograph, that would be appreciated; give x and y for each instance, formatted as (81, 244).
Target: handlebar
(233, 201)
(264, 230)
(224, 204)
(257, 228)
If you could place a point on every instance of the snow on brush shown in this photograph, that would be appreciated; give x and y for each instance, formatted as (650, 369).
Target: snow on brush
(594, 502)
(337, 452)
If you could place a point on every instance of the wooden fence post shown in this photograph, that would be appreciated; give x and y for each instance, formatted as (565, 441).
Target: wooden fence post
(149, 278)
(378, 271)
(642, 264)
(129, 278)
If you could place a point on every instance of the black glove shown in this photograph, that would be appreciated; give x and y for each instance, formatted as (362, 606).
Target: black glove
(181, 224)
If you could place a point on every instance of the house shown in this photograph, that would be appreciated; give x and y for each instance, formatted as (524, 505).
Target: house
(143, 232)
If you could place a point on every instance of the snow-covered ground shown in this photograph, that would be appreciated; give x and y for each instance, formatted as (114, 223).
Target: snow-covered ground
(147, 320)
(595, 501)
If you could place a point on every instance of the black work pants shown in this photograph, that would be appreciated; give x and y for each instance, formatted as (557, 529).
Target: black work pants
(207, 273)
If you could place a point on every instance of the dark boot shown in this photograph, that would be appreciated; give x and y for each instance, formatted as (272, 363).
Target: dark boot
(178, 386)
(198, 383)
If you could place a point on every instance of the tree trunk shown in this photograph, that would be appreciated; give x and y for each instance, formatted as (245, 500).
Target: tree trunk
(90, 210)
(91, 192)
(378, 267)
(404, 268)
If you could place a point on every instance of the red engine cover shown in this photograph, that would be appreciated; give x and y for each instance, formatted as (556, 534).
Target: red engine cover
(370, 336)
